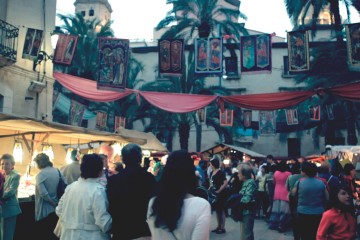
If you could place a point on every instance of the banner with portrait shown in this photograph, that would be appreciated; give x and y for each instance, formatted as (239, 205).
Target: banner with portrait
(101, 121)
(291, 116)
(200, 116)
(76, 113)
(298, 50)
(65, 49)
(113, 63)
(171, 54)
(120, 122)
(226, 117)
(315, 113)
(231, 67)
(330, 111)
(208, 55)
(353, 45)
(32, 44)
(247, 118)
(267, 122)
(256, 53)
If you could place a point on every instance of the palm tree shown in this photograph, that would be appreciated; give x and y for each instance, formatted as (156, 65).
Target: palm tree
(197, 18)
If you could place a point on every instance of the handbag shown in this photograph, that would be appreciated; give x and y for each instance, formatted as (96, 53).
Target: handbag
(61, 186)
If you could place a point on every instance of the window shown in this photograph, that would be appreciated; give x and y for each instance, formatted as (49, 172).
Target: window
(83, 13)
(91, 12)
(294, 147)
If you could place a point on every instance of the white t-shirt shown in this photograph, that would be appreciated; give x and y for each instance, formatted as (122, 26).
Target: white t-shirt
(194, 223)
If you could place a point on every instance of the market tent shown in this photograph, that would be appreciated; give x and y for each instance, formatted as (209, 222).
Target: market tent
(220, 148)
(152, 143)
(54, 133)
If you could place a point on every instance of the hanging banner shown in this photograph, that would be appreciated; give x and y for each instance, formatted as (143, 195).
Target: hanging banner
(76, 113)
(231, 67)
(226, 117)
(113, 62)
(32, 44)
(171, 56)
(353, 45)
(291, 116)
(208, 55)
(330, 112)
(201, 116)
(267, 122)
(298, 50)
(247, 118)
(65, 49)
(256, 53)
(101, 120)
(315, 113)
(120, 122)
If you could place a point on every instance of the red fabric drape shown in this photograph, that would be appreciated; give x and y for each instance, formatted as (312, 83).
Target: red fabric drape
(350, 91)
(269, 101)
(176, 102)
(87, 88)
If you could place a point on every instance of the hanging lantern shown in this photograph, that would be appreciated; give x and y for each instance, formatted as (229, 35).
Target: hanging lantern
(33, 163)
(48, 150)
(91, 151)
(117, 148)
(18, 151)
(68, 155)
(146, 153)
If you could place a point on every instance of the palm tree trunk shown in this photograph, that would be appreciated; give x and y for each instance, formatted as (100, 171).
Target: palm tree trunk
(184, 133)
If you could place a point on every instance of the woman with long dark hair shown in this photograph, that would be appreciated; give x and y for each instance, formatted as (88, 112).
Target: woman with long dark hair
(175, 213)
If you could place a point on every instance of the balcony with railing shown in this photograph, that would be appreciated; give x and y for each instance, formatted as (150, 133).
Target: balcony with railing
(8, 43)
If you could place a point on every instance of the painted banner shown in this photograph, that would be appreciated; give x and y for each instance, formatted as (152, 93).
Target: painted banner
(76, 113)
(113, 62)
(267, 122)
(353, 45)
(101, 120)
(298, 50)
(201, 116)
(120, 122)
(247, 118)
(65, 49)
(32, 44)
(315, 113)
(256, 53)
(330, 111)
(226, 117)
(208, 55)
(231, 67)
(171, 54)
(291, 116)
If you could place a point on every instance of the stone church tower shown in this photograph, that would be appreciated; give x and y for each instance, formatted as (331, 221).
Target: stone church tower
(91, 9)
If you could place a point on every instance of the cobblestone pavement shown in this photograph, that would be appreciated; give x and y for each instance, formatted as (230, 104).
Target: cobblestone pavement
(261, 231)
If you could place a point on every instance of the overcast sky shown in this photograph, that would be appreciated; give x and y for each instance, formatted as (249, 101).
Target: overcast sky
(136, 19)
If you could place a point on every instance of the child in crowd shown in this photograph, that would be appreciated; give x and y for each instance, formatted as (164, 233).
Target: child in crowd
(338, 222)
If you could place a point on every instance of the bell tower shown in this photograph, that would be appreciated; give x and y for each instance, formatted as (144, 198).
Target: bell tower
(94, 9)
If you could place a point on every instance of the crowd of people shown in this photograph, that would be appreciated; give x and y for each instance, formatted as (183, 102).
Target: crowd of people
(174, 198)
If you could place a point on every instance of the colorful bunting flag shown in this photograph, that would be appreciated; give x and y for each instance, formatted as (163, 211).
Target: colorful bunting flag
(256, 53)
(267, 122)
(76, 113)
(171, 56)
(208, 55)
(201, 115)
(298, 50)
(101, 120)
(113, 62)
(226, 117)
(315, 113)
(120, 122)
(65, 49)
(291, 116)
(353, 45)
(247, 118)
(32, 44)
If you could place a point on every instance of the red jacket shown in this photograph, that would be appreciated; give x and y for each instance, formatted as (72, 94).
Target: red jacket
(336, 225)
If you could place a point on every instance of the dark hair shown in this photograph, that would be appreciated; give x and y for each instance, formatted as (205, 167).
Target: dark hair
(246, 170)
(131, 154)
(270, 156)
(91, 165)
(8, 157)
(334, 199)
(348, 167)
(42, 160)
(282, 167)
(324, 167)
(74, 155)
(177, 180)
(215, 162)
(309, 169)
(295, 168)
(118, 166)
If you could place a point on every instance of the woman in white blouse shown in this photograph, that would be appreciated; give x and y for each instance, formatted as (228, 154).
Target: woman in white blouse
(174, 213)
